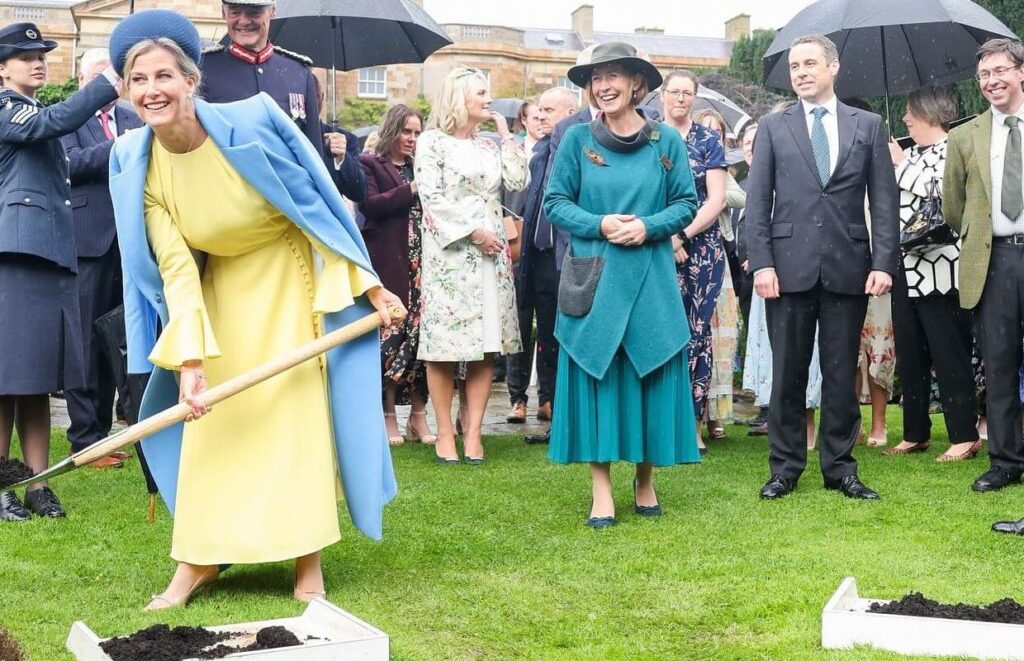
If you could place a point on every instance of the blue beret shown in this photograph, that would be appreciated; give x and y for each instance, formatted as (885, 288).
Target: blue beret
(154, 24)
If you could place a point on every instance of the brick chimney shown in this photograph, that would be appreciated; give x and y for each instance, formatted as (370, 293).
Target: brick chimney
(652, 31)
(737, 26)
(583, 21)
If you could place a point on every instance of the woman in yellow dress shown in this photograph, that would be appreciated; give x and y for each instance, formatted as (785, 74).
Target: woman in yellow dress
(229, 203)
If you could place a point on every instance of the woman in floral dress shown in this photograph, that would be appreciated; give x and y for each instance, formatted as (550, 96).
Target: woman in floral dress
(700, 253)
(468, 296)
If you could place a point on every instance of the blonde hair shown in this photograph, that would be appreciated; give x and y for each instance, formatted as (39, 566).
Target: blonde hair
(186, 65)
(449, 109)
(635, 77)
(704, 113)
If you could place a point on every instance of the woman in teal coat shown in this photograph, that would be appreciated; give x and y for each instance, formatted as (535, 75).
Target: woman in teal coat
(622, 187)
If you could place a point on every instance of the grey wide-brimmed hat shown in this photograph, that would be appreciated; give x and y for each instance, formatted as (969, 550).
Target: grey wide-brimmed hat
(614, 52)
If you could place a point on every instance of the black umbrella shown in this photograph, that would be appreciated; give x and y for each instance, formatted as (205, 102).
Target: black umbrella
(888, 47)
(353, 34)
(735, 117)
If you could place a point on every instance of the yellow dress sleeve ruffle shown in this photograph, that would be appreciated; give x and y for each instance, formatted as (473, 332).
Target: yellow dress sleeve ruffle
(188, 336)
(340, 282)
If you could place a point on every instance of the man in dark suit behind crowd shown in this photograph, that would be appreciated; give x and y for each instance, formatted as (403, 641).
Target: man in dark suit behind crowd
(99, 261)
(814, 265)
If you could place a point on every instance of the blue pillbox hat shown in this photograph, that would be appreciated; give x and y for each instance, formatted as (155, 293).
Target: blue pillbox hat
(154, 24)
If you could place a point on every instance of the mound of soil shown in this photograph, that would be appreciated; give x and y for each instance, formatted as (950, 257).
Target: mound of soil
(13, 471)
(161, 643)
(268, 638)
(9, 649)
(1005, 611)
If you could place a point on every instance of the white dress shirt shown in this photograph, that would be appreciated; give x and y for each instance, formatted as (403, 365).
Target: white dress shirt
(1001, 225)
(831, 123)
(112, 122)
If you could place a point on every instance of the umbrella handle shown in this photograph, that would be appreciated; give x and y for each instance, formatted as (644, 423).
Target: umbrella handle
(244, 381)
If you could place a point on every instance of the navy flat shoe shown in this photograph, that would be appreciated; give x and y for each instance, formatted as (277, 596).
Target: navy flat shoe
(598, 522)
(473, 461)
(448, 461)
(646, 510)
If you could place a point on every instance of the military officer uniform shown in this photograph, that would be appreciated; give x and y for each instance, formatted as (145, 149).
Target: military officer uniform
(40, 329)
(232, 73)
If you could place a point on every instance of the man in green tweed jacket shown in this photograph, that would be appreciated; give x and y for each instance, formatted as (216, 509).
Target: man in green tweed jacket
(983, 201)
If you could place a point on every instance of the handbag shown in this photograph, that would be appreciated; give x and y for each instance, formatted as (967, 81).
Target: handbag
(513, 231)
(578, 283)
(927, 228)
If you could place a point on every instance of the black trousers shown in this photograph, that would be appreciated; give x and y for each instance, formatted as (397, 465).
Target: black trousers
(792, 319)
(742, 282)
(91, 408)
(1000, 316)
(934, 332)
(542, 301)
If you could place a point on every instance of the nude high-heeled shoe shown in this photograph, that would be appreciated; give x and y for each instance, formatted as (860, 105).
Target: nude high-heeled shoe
(413, 436)
(159, 602)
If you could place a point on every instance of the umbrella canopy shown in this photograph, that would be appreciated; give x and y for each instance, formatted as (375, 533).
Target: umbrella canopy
(888, 47)
(734, 116)
(352, 34)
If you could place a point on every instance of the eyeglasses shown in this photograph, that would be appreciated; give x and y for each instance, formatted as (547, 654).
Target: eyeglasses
(678, 94)
(998, 72)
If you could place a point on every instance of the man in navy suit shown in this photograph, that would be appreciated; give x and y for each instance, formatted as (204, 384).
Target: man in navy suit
(99, 261)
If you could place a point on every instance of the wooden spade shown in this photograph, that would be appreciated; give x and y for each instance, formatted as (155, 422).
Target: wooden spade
(243, 381)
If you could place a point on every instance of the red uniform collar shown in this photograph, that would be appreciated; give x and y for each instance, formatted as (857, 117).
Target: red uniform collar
(251, 56)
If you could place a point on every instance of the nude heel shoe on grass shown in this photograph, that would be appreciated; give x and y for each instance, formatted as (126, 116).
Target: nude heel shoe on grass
(160, 602)
(414, 436)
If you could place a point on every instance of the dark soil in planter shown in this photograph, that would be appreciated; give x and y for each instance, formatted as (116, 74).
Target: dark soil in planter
(1006, 611)
(9, 649)
(13, 471)
(161, 643)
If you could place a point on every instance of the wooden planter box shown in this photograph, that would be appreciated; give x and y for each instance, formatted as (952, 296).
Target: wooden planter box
(845, 622)
(342, 636)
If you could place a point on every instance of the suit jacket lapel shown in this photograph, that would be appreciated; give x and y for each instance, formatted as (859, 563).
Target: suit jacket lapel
(847, 122)
(983, 151)
(798, 127)
(95, 130)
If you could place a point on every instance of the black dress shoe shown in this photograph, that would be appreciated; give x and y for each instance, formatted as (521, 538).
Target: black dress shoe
(777, 487)
(760, 419)
(852, 487)
(43, 502)
(538, 439)
(11, 508)
(759, 430)
(995, 479)
(1009, 527)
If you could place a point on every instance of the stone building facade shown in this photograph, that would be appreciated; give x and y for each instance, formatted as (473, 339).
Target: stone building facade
(518, 62)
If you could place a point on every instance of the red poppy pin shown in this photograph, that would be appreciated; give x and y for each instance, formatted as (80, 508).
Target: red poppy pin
(666, 162)
(594, 156)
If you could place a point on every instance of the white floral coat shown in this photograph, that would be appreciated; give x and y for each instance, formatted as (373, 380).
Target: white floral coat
(459, 185)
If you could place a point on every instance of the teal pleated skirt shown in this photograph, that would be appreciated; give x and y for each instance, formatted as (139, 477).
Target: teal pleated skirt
(624, 417)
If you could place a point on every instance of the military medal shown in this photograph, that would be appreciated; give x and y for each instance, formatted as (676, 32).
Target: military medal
(297, 105)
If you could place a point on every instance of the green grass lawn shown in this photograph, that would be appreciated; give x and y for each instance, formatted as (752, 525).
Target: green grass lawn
(494, 562)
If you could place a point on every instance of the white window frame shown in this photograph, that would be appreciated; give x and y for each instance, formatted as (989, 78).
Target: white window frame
(563, 81)
(372, 79)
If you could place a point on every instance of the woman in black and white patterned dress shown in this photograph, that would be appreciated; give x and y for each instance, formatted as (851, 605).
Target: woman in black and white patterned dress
(932, 331)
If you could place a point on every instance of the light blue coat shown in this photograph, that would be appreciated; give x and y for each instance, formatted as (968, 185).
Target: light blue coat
(265, 147)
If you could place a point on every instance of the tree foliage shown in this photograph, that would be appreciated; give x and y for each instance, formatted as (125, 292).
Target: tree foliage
(52, 93)
(747, 52)
(355, 113)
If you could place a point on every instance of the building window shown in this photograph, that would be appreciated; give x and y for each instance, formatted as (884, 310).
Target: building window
(563, 81)
(373, 83)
